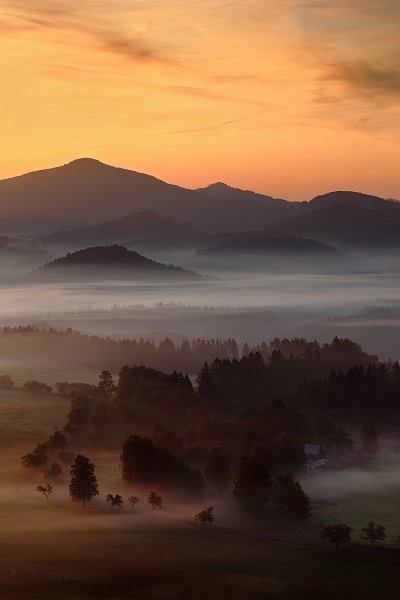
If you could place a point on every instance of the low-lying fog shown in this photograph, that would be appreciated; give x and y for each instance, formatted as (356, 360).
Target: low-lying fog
(251, 300)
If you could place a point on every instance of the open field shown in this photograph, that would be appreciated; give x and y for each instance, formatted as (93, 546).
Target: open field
(51, 372)
(140, 555)
(358, 509)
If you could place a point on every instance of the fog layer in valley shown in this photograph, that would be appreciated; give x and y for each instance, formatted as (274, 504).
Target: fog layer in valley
(248, 299)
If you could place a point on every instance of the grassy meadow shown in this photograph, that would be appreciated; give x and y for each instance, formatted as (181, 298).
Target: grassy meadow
(137, 554)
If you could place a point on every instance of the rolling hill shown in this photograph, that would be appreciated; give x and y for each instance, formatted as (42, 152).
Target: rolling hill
(346, 226)
(140, 225)
(108, 261)
(352, 199)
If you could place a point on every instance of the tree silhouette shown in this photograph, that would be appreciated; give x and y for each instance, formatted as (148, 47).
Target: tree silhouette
(133, 500)
(288, 496)
(37, 458)
(83, 486)
(373, 533)
(115, 500)
(106, 385)
(252, 482)
(155, 501)
(205, 515)
(337, 534)
(57, 440)
(37, 387)
(46, 490)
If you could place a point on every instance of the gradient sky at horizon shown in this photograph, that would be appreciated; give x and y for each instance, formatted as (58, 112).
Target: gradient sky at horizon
(290, 98)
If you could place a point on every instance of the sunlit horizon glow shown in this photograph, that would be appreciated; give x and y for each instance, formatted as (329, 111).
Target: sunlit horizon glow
(291, 98)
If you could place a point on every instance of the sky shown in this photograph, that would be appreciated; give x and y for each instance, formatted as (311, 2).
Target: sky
(291, 98)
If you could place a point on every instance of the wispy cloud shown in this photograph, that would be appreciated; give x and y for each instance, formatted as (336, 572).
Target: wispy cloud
(178, 72)
(101, 25)
(368, 78)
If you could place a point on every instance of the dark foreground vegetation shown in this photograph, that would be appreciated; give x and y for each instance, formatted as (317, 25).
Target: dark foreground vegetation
(236, 439)
(250, 425)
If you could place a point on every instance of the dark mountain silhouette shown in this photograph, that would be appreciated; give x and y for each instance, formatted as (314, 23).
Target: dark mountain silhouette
(346, 226)
(355, 199)
(140, 225)
(287, 246)
(86, 191)
(226, 192)
(109, 259)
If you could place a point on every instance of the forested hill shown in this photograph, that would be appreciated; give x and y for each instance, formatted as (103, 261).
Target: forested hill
(114, 261)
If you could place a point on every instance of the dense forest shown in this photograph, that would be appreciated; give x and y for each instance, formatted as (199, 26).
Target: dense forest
(244, 423)
(187, 356)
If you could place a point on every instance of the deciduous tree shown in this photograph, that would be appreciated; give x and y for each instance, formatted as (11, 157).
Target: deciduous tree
(46, 490)
(205, 516)
(155, 501)
(133, 500)
(115, 500)
(83, 486)
(373, 533)
(337, 534)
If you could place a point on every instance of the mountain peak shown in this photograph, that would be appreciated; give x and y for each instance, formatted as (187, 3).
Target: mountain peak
(223, 191)
(86, 162)
(218, 185)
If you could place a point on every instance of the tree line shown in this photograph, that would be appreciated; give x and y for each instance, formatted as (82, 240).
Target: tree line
(188, 355)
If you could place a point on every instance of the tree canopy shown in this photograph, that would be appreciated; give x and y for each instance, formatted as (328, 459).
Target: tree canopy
(83, 485)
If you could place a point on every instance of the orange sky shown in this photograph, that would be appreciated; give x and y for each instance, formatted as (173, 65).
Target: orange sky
(291, 98)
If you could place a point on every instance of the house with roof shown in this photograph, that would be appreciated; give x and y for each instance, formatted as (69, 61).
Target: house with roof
(315, 457)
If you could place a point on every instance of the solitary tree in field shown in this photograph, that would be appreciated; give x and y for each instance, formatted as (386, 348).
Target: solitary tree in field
(373, 533)
(133, 500)
(155, 501)
(115, 500)
(46, 490)
(337, 534)
(205, 515)
(83, 486)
